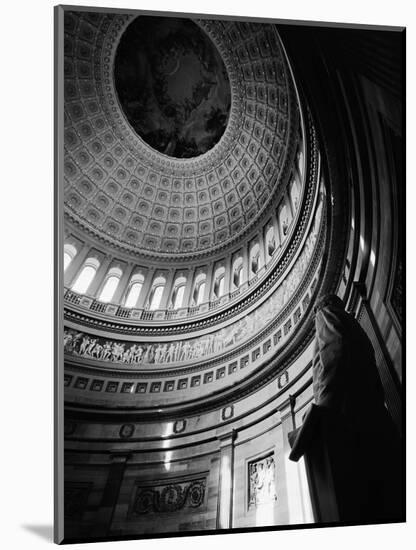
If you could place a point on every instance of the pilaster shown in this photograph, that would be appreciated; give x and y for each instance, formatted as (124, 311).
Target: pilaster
(297, 491)
(226, 479)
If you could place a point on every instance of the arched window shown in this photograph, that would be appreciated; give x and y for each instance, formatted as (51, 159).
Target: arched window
(300, 163)
(133, 292)
(219, 279)
(69, 254)
(255, 259)
(238, 272)
(86, 276)
(156, 293)
(199, 289)
(284, 220)
(178, 292)
(111, 284)
(270, 241)
(295, 194)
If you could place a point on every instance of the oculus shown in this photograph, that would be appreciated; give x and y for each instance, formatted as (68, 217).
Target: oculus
(172, 85)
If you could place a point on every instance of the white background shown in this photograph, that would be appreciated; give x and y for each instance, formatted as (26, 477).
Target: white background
(26, 304)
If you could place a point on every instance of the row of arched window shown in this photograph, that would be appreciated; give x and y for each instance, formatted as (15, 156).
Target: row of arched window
(259, 254)
(87, 273)
(86, 276)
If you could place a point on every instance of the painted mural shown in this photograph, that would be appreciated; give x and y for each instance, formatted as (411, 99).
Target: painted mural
(172, 85)
(139, 353)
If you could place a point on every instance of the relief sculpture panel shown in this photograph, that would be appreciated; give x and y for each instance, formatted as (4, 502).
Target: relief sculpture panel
(142, 353)
(169, 497)
(262, 487)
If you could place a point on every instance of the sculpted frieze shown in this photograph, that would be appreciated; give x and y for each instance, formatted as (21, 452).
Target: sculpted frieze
(262, 486)
(169, 497)
(146, 353)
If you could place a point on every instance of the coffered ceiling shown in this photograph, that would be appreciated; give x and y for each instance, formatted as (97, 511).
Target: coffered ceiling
(126, 193)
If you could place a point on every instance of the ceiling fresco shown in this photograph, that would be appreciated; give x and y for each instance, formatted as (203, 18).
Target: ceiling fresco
(172, 85)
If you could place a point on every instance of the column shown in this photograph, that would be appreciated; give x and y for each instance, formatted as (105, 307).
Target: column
(300, 174)
(298, 180)
(188, 288)
(227, 275)
(226, 475)
(167, 291)
(111, 491)
(289, 204)
(282, 236)
(148, 280)
(262, 256)
(275, 223)
(98, 280)
(263, 244)
(293, 183)
(74, 267)
(297, 491)
(208, 282)
(245, 264)
(123, 283)
(296, 173)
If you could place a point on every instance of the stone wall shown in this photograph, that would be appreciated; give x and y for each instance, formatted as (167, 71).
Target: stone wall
(220, 469)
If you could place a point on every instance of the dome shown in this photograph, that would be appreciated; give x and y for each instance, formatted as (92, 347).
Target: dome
(168, 318)
(131, 194)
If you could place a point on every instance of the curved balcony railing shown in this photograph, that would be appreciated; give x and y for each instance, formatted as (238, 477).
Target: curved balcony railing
(116, 310)
(89, 302)
(295, 234)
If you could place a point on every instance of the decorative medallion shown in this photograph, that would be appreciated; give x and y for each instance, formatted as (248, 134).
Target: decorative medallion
(283, 380)
(126, 431)
(179, 426)
(227, 412)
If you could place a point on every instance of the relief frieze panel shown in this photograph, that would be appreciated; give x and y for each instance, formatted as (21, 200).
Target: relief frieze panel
(144, 353)
(169, 497)
(262, 486)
